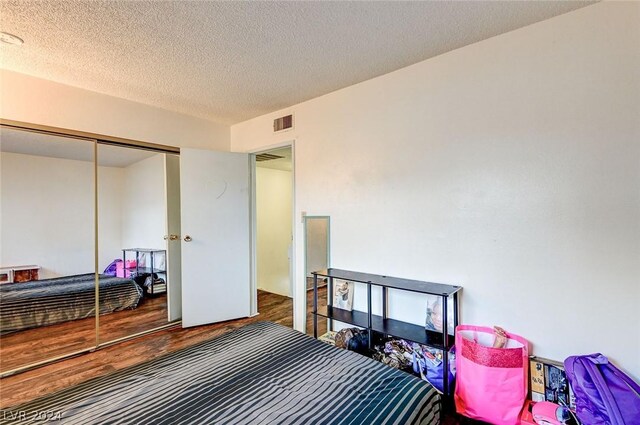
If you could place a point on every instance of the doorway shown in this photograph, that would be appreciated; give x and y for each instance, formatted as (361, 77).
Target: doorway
(273, 229)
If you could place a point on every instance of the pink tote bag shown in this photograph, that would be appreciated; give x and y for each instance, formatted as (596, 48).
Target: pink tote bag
(491, 383)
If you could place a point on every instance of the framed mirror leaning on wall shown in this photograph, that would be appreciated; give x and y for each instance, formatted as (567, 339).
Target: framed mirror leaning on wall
(316, 257)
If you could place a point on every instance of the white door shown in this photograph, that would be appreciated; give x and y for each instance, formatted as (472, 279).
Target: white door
(214, 195)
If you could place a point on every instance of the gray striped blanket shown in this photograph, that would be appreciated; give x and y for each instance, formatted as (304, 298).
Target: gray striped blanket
(262, 373)
(50, 301)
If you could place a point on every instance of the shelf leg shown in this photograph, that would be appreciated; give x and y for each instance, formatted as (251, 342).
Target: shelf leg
(385, 297)
(455, 315)
(315, 305)
(455, 312)
(369, 314)
(330, 299)
(445, 344)
(384, 302)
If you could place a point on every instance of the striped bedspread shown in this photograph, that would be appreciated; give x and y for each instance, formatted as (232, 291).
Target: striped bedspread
(50, 301)
(262, 373)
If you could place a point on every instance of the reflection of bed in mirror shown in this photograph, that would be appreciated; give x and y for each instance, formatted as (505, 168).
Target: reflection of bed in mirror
(50, 301)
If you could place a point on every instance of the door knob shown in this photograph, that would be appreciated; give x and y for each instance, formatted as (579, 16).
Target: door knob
(171, 237)
(187, 238)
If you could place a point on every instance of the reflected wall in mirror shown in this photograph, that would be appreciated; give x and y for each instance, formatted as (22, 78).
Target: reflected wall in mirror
(132, 251)
(316, 232)
(47, 246)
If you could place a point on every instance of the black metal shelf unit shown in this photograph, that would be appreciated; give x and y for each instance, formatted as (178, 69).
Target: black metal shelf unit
(150, 268)
(383, 324)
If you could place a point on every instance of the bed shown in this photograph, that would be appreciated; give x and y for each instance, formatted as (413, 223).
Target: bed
(50, 301)
(262, 373)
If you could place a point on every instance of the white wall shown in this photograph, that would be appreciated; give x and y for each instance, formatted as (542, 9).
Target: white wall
(273, 220)
(510, 167)
(38, 101)
(111, 180)
(144, 210)
(47, 213)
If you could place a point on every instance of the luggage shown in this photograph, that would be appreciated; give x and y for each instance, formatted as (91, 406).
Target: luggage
(604, 394)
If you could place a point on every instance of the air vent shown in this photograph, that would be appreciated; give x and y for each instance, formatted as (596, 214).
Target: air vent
(267, 157)
(283, 123)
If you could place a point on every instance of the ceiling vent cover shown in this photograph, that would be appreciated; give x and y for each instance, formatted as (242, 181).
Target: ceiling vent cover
(267, 157)
(283, 123)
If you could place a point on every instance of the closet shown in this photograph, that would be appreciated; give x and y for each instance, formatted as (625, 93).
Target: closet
(69, 206)
(73, 201)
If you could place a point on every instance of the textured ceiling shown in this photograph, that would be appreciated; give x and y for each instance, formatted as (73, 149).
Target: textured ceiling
(231, 61)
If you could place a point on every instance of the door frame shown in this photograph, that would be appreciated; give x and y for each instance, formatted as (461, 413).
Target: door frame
(254, 225)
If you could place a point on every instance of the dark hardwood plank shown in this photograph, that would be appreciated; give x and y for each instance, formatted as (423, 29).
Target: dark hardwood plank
(33, 345)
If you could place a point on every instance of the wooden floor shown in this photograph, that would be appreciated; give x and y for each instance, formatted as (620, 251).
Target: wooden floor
(28, 385)
(34, 345)
(25, 386)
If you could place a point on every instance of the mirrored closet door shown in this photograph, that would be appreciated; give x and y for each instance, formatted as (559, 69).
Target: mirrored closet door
(86, 225)
(132, 250)
(47, 247)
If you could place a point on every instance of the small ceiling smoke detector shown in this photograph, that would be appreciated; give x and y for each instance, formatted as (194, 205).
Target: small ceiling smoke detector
(5, 37)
